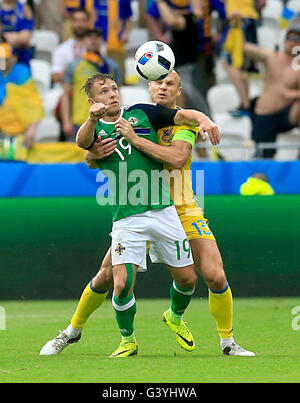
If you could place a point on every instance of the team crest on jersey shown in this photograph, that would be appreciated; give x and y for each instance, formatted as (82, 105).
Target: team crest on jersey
(133, 120)
(167, 135)
(120, 249)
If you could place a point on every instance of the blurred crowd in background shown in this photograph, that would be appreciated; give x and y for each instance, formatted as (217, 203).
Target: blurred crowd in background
(239, 61)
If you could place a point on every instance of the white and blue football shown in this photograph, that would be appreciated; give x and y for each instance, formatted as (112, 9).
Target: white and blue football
(154, 60)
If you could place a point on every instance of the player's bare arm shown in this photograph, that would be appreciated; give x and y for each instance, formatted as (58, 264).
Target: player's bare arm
(176, 155)
(190, 117)
(85, 135)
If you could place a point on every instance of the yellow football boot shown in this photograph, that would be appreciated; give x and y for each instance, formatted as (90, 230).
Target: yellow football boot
(183, 335)
(127, 348)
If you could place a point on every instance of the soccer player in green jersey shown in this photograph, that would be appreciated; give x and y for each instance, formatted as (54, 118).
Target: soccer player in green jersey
(152, 218)
(149, 217)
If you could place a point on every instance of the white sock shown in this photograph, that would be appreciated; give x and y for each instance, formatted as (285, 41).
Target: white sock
(71, 331)
(224, 342)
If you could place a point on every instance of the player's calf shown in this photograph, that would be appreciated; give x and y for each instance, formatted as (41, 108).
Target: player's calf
(123, 301)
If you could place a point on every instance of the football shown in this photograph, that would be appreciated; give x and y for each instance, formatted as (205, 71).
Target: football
(154, 60)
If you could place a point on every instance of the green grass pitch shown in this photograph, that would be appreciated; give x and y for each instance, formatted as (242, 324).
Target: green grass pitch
(261, 325)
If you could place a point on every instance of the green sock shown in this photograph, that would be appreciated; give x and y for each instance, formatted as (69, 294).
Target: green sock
(125, 309)
(180, 299)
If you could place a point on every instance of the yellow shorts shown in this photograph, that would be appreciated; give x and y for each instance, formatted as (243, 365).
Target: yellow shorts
(195, 225)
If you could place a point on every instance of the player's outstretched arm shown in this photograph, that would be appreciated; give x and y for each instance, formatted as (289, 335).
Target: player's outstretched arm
(190, 117)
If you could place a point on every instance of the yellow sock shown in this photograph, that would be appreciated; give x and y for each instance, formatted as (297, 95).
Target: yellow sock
(220, 306)
(89, 301)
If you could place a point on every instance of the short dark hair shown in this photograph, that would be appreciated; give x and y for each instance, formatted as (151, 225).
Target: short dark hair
(89, 85)
(80, 10)
(94, 31)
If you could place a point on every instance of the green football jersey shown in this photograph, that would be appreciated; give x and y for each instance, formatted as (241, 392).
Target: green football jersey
(137, 182)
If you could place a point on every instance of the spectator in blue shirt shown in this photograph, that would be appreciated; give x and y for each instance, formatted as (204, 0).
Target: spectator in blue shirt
(17, 24)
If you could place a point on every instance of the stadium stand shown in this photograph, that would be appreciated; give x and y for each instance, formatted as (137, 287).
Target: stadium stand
(44, 43)
(41, 73)
(271, 14)
(50, 100)
(218, 93)
(268, 37)
(130, 94)
(294, 6)
(137, 36)
(271, 34)
(48, 130)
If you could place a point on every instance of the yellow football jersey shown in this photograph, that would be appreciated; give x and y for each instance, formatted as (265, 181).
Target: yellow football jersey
(181, 189)
(180, 179)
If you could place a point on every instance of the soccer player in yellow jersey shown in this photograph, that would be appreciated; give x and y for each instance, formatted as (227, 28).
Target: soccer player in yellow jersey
(207, 258)
(208, 262)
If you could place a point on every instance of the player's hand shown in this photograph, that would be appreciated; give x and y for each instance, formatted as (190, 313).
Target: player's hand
(209, 127)
(103, 148)
(125, 128)
(97, 111)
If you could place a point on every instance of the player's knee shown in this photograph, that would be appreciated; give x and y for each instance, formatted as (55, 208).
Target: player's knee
(188, 280)
(119, 287)
(217, 280)
(122, 287)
